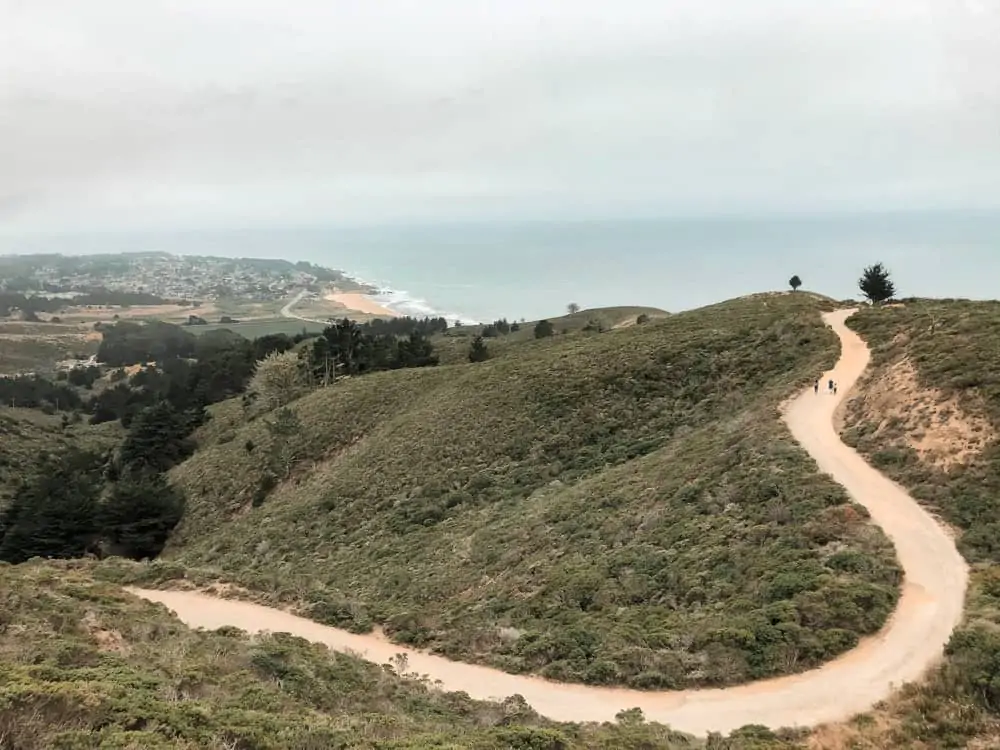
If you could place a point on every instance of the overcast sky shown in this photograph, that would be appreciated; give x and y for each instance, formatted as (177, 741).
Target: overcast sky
(131, 113)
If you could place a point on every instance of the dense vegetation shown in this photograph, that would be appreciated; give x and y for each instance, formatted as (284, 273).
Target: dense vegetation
(27, 435)
(348, 348)
(85, 666)
(36, 392)
(928, 416)
(78, 502)
(621, 507)
(74, 502)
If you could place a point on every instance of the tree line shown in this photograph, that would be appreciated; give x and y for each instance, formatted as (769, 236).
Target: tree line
(31, 304)
(348, 348)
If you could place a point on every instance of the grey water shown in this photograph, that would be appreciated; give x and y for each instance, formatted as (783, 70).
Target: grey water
(480, 271)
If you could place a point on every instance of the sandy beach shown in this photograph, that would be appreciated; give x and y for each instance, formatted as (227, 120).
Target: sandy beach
(363, 303)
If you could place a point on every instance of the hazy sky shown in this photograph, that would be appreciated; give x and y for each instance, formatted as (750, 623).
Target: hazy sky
(213, 112)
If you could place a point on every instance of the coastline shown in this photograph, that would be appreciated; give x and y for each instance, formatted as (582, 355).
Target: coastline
(385, 301)
(360, 302)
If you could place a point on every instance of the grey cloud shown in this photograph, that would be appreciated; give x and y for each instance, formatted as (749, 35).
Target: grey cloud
(218, 110)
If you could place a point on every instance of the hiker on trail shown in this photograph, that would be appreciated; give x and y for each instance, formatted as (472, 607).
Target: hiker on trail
(830, 385)
(835, 389)
(816, 387)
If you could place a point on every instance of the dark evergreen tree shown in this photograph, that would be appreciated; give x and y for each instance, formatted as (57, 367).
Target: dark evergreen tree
(876, 285)
(544, 329)
(139, 513)
(345, 340)
(54, 512)
(478, 352)
(272, 342)
(795, 282)
(416, 351)
(157, 439)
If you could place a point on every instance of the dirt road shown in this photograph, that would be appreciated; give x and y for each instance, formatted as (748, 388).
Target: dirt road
(929, 608)
(286, 311)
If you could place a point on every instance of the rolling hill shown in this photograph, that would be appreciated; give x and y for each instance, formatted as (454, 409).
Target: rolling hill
(616, 507)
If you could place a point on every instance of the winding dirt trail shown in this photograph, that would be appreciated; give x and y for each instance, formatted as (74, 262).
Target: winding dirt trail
(929, 608)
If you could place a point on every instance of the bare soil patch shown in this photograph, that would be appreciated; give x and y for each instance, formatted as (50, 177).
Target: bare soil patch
(934, 424)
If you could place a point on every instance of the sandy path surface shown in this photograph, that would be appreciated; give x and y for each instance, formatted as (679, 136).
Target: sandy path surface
(929, 608)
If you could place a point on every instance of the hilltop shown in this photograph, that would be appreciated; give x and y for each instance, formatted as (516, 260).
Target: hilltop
(616, 507)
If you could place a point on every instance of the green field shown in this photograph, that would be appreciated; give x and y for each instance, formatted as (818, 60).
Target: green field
(255, 328)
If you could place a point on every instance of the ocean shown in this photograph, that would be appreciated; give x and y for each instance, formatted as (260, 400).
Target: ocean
(482, 271)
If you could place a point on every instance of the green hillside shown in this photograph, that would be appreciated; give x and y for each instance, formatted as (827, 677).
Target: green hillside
(84, 666)
(623, 507)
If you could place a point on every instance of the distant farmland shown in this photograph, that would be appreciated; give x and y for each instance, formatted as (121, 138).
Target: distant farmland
(255, 328)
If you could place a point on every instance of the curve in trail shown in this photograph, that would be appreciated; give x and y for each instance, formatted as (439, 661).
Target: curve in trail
(929, 608)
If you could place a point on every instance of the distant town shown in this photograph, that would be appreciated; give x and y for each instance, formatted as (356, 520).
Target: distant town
(170, 277)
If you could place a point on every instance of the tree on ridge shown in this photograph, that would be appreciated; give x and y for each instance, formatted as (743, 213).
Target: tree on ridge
(478, 352)
(876, 285)
(795, 282)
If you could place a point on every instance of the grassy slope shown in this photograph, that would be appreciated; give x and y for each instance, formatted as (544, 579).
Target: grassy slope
(954, 347)
(84, 665)
(622, 507)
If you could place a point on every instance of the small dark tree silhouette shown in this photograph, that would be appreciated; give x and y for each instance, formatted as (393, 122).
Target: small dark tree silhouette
(795, 282)
(544, 329)
(478, 352)
(876, 285)
(572, 308)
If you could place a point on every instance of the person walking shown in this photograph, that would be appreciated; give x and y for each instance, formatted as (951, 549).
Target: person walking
(834, 389)
(816, 387)
(829, 385)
